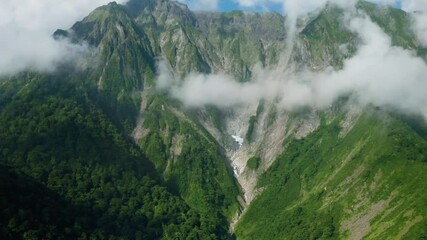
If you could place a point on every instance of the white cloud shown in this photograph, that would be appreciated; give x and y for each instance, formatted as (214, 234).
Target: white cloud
(418, 8)
(203, 5)
(202, 89)
(419, 26)
(414, 5)
(26, 28)
(378, 74)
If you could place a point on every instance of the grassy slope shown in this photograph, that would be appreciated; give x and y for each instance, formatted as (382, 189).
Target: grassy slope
(323, 180)
(199, 172)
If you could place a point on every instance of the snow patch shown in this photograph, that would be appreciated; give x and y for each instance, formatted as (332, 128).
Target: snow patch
(236, 170)
(238, 139)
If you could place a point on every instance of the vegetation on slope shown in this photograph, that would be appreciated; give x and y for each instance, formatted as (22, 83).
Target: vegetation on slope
(65, 141)
(325, 186)
(66, 159)
(190, 159)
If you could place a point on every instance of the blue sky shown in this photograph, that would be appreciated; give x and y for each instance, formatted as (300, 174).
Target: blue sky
(257, 5)
(228, 5)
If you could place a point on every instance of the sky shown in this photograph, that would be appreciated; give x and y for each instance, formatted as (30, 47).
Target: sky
(245, 5)
(260, 5)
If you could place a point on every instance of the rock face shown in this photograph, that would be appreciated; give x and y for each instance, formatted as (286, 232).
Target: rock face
(341, 172)
(234, 43)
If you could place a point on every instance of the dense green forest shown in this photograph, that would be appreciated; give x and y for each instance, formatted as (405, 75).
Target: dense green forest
(68, 172)
(99, 152)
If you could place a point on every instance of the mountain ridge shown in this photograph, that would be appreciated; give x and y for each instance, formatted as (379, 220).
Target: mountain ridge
(315, 169)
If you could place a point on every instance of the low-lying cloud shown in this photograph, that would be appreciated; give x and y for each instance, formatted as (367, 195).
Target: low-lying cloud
(26, 28)
(378, 74)
(418, 9)
(420, 27)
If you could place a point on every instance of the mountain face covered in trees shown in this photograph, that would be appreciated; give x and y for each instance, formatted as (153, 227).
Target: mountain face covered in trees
(99, 152)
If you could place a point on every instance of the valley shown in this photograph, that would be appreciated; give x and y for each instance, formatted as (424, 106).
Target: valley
(183, 124)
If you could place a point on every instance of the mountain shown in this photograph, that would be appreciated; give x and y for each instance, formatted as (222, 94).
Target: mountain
(102, 152)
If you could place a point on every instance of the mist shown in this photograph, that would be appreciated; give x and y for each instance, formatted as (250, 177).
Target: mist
(27, 27)
(418, 10)
(379, 74)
